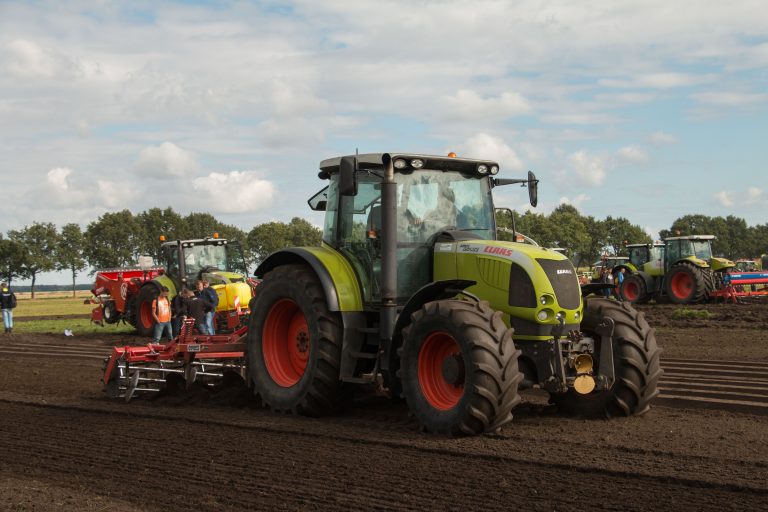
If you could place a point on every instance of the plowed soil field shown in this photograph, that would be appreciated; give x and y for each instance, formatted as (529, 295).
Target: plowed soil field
(65, 446)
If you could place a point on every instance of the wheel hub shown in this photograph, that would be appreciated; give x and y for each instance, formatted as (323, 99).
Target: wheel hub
(302, 342)
(453, 369)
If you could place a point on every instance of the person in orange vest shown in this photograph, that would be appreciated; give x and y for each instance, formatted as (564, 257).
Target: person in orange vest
(161, 312)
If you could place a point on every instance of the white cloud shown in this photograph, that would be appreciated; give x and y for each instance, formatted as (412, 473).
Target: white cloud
(632, 154)
(662, 138)
(116, 195)
(234, 192)
(469, 105)
(483, 145)
(166, 161)
(754, 195)
(58, 189)
(731, 99)
(576, 201)
(28, 59)
(658, 80)
(724, 198)
(589, 169)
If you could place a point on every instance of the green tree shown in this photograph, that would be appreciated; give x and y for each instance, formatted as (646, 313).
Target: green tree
(569, 229)
(70, 252)
(619, 232)
(12, 256)
(156, 222)
(39, 242)
(113, 240)
(269, 237)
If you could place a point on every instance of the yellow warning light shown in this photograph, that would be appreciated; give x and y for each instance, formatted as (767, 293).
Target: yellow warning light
(451, 155)
(215, 235)
(162, 238)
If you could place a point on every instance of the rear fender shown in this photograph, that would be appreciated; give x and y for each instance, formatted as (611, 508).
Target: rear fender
(339, 282)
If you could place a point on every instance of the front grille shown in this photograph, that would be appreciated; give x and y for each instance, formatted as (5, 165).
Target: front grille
(521, 291)
(562, 275)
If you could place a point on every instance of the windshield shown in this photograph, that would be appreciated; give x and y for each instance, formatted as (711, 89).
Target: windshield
(432, 201)
(227, 257)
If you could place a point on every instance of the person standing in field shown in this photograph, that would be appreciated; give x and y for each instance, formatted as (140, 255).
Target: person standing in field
(7, 303)
(619, 281)
(161, 312)
(212, 302)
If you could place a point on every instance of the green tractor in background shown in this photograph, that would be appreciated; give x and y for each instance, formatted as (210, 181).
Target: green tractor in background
(682, 269)
(214, 259)
(411, 292)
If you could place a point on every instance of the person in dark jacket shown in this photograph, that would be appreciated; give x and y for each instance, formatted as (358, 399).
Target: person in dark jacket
(213, 299)
(177, 311)
(194, 306)
(7, 303)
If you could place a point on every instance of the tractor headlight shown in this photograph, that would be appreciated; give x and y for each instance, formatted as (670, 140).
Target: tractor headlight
(482, 169)
(417, 163)
(576, 315)
(400, 163)
(544, 315)
(546, 299)
(494, 169)
(560, 316)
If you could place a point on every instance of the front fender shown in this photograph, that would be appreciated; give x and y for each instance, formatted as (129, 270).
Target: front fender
(437, 290)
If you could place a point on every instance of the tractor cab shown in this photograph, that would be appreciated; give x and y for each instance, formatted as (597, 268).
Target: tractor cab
(218, 260)
(647, 258)
(436, 198)
(696, 249)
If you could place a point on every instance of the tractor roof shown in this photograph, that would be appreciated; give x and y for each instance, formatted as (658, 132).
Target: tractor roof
(198, 241)
(655, 244)
(444, 163)
(691, 237)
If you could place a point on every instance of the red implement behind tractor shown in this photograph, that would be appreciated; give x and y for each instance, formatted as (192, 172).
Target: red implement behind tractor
(146, 369)
(116, 289)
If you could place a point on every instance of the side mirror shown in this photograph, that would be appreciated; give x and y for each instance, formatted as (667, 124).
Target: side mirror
(348, 176)
(533, 189)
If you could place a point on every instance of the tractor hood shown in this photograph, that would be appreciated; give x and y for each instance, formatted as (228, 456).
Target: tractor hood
(722, 263)
(223, 277)
(538, 287)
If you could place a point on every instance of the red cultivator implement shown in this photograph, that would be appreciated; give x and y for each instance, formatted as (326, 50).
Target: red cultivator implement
(742, 287)
(209, 360)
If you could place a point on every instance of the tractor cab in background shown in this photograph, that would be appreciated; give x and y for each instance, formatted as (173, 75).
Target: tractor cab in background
(215, 259)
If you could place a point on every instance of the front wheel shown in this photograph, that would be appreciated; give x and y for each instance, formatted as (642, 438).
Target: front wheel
(636, 363)
(459, 368)
(633, 290)
(294, 344)
(686, 284)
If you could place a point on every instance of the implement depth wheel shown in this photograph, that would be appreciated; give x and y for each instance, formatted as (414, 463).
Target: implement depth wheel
(459, 368)
(294, 343)
(686, 284)
(635, 361)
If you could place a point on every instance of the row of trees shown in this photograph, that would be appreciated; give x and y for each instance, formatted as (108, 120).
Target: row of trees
(117, 239)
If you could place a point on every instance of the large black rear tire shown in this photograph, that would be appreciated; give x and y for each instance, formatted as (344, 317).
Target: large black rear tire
(294, 344)
(636, 363)
(686, 284)
(459, 368)
(634, 290)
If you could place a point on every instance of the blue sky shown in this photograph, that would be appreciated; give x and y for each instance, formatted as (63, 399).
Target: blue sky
(648, 110)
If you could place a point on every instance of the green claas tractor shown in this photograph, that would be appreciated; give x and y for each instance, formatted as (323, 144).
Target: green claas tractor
(411, 292)
(682, 269)
(609, 262)
(214, 259)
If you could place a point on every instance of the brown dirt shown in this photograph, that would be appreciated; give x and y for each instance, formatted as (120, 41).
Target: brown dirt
(67, 447)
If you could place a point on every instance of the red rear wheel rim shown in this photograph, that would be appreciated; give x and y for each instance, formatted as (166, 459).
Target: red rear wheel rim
(682, 285)
(438, 392)
(285, 343)
(631, 291)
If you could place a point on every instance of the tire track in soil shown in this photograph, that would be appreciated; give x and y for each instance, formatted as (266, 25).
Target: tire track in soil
(436, 470)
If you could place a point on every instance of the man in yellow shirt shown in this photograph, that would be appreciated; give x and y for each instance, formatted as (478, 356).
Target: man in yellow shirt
(161, 312)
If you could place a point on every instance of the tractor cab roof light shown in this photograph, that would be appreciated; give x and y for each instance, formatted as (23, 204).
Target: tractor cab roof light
(494, 169)
(400, 163)
(482, 169)
(417, 163)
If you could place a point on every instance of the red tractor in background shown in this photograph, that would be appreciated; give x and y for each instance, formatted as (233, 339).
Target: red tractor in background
(127, 293)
